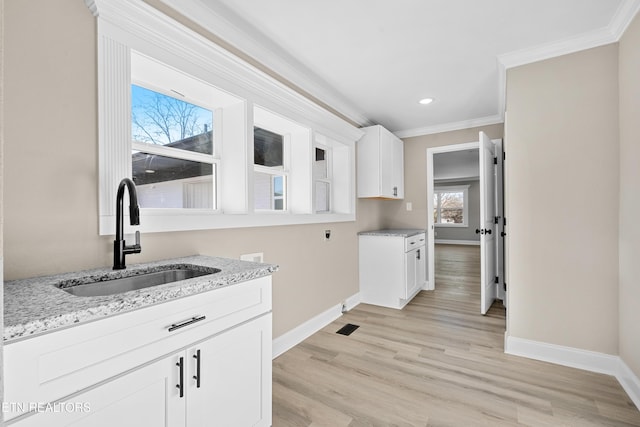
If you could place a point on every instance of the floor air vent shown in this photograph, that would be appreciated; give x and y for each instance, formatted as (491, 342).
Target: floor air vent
(347, 329)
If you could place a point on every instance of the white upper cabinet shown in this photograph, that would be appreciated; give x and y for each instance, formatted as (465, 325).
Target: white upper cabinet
(380, 164)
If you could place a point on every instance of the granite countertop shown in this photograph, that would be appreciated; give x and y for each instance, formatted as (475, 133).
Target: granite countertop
(398, 232)
(34, 306)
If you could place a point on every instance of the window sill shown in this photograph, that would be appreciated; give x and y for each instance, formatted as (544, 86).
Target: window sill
(452, 225)
(153, 223)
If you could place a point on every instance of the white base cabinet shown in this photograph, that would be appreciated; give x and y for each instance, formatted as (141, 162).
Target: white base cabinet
(392, 268)
(133, 370)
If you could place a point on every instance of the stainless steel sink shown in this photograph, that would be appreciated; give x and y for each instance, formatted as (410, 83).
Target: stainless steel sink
(105, 286)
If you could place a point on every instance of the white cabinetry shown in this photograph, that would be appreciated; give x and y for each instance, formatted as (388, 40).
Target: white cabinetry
(130, 369)
(380, 164)
(392, 268)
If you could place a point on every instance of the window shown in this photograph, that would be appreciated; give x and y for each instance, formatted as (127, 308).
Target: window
(171, 180)
(172, 139)
(450, 206)
(322, 181)
(270, 177)
(203, 170)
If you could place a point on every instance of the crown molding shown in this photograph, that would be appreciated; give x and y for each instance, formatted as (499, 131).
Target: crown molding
(448, 127)
(609, 34)
(623, 17)
(245, 38)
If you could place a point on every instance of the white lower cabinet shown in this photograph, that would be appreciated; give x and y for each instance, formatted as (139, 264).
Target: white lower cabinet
(145, 397)
(234, 386)
(208, 373)
(392, 268)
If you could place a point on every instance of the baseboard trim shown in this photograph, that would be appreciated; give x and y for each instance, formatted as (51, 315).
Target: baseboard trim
(577, 358)
(300, 333)
(352, 301)
(629, 382)
(458, 242)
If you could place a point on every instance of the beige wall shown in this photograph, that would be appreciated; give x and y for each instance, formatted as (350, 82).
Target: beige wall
(51, 175)
(562, 198)
(629, 74)
(394, 212)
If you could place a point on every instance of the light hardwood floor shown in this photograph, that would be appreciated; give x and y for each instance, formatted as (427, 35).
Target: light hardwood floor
(438, 362)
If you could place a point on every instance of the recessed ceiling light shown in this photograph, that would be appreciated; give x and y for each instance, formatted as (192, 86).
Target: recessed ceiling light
(426, 101)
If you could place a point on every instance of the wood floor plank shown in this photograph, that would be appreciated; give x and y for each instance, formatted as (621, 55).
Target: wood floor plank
(437, 362)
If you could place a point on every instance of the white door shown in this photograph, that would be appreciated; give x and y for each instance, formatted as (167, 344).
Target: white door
(487, 228)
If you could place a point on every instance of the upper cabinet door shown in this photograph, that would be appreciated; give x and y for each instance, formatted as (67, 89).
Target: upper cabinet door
(380, 164)
(397, 177)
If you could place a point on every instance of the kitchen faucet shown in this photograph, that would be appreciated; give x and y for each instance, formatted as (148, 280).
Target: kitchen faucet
(120, 249)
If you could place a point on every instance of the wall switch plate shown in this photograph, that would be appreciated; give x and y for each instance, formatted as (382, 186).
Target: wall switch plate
(327, 234)
(256, 257)
(409, 206)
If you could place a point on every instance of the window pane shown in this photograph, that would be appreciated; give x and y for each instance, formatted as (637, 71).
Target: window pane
(322, 196)
(166, 182)
(268, 191)
(267, 148)
(320, 168)
(451, 207)
(435, 208)
(163, 120)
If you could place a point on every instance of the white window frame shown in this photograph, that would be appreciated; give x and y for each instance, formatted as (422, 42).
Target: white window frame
(328, 180)
(465, 207)
(125, 26)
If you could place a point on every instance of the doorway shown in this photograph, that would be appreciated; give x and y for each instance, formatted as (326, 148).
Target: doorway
(487, 227)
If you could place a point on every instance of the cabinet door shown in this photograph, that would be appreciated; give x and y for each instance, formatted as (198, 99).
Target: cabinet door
(421, 267)
(410, 264)
(234, 378)
(145, 397)
(397, 174)
(387, 161)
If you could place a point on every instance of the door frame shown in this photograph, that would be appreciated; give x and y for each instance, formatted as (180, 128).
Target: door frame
(431, 278)
(431, 283)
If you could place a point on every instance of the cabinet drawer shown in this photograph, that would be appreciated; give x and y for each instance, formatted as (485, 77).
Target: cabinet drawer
(414, 241)
(54, 365)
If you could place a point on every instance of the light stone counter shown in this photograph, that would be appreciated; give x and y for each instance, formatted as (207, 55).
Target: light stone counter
(399, 232)
(34, 306)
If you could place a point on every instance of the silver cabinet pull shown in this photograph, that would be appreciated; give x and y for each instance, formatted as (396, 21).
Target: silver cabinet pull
(191, 321)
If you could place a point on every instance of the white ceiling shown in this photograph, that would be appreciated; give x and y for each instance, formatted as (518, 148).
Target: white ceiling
(372, 60)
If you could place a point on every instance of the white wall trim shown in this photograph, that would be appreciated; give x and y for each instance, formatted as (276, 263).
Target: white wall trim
(448, 127)
(577, 358)
(457, 242)
(352, 301)
(609, 34)
(629, 382)
(623, 17)
(300, 333)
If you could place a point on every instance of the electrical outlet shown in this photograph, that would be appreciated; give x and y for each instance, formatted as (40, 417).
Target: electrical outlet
(409, 206)
(327, 235)
(256, 257)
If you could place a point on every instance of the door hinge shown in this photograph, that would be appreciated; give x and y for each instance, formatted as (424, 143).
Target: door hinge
(504, 221)
(504, 285)
(496, 280)
(495, 160)
(504, 156)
